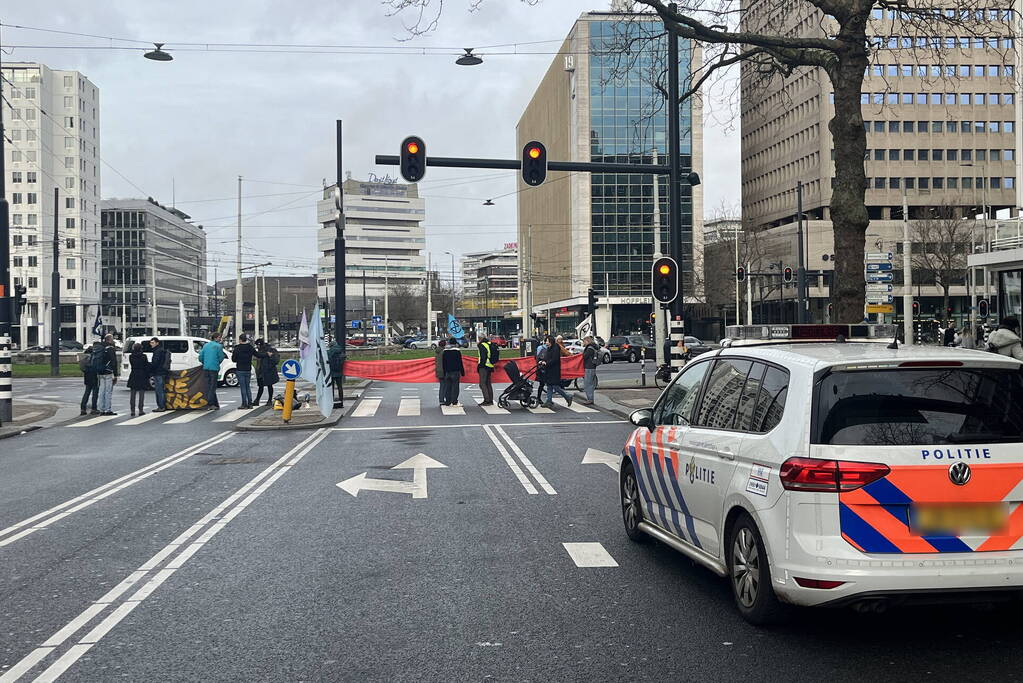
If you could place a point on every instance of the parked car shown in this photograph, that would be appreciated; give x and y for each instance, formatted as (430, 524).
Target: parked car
(576, 346)
(696, 346)
(421, 343)
(630, 347)
(499, 340)
(184, 353)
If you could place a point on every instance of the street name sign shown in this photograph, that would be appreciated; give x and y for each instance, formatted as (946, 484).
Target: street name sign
(873, 267)
(879, 277)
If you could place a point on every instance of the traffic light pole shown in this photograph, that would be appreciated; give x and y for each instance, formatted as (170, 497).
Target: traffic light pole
(340, 304)
(674, 171)
(55, 293)
(516, 165)
(6, 313)
(801, 271)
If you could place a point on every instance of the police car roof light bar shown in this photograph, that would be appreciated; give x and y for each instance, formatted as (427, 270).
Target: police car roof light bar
(809, 333)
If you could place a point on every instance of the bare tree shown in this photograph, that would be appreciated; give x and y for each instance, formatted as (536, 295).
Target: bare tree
(944, 240)
(407, 304)
(775, 39)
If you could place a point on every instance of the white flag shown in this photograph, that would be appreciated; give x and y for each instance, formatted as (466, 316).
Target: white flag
(316, 367)
(303, 337)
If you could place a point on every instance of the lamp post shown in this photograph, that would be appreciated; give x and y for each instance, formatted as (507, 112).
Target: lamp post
(452, 281)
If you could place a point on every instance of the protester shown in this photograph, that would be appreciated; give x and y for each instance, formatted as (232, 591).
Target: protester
(591, 359)
(1005, 340)
(160, 368)
(948, 337)
(241, 355)
(561, 344)
(266, 371)
(438, 371)
(541, 350)
(336, 360)
(107, 369)
(90, 376)
(211, 356)
(552, 373)
(451, 361)
(489, 355)
(138, 379)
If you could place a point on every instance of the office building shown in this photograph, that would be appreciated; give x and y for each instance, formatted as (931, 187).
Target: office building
(490, 285)
(384, 237)
(581, 230)
(721, 230)
(51, 118)
(151, 253)
(942, 135)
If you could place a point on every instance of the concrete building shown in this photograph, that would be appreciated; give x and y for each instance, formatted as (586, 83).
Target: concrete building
(51, 119)
(721, 230)
(490, 286)
(286, 297)
(151, 253)
(579, 230)
(384, 240)
(942, 135)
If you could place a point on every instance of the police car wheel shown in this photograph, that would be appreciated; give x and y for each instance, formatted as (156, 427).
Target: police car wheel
(230, 378)
(750, 575)
(632, 510)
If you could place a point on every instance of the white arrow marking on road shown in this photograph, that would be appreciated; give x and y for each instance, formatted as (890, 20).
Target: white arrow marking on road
(418, 463)
(595, 457)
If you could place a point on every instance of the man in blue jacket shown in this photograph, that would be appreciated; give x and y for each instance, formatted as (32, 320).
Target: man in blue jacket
(211, 356)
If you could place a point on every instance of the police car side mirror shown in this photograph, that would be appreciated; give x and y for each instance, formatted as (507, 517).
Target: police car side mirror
(644, 417)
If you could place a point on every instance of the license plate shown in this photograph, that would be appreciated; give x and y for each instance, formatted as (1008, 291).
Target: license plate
(959, 520)
(614, 348)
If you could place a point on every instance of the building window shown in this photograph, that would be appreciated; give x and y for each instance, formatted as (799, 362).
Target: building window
(981, 154)
(33, 261)
(967, 183)
(69, 162)
(878, 126)
(16, 198)
(69, 102)
(938, 183)
(978, 98)
(69, 82)
(921, 155)
(907, 98)
(69, 223)
(893, 183)
(922, 126)
(69, 202)
(878, 155)
(922, 183)
(70, 242)
(30, 219)
(1008, 154)
(33, 283)
(893, 126)
(1007, 126)
(17, 261)
(17, 240)
(893, 155)
(32, 198)
(16, 177)
(71, 284)
(15, 155)
(951, 183)
(32, 240)
(909, 183)
(937, 155)
(907, 155)
(995, 183)
(31, 177)
(69, 122)
(966, 155)
(907, 126)
(1008, 183)
(952, 154)
(71, 264)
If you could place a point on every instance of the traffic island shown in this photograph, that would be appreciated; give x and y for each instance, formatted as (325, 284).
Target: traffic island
(307, 417)
(30, 415)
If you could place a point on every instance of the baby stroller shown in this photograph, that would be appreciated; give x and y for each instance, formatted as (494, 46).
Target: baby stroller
(520, 389)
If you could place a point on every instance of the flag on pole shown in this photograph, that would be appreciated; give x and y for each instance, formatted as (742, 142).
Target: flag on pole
(303, 337)
(97, 327)
(316, 367)
(454, 329)
(184, 318)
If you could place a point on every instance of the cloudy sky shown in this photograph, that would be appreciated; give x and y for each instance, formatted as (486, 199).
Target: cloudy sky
(268, 113)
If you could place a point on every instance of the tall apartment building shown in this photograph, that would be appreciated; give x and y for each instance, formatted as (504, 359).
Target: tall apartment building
(151, 251)
(490, 283)
(51, 118)
(579, 230)
(943, 131)
(384, 241)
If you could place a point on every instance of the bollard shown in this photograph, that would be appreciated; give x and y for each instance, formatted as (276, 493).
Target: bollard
(6, 392)
(289, 397)
(642, 366)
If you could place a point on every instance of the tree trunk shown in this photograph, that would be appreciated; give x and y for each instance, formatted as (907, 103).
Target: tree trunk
(848, 212)
(944, 303)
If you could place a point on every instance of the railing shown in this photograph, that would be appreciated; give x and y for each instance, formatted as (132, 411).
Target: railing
(1008, 235)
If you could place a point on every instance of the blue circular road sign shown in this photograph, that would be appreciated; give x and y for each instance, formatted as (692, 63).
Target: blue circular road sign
(291, 369)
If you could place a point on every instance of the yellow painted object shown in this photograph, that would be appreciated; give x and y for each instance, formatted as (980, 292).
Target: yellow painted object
(289, 397)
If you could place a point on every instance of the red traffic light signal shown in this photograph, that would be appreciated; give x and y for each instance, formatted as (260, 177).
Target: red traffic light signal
(740, 274)
(916, 307)
(413, 159)
(983, 309)
(787, 274)
(534, 163)
(664, 280)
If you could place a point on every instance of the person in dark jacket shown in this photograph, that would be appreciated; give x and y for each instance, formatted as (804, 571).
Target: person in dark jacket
(948, 338)
(541, 350)
(591, 360)
(552, 374)
(138, 380)
(242, 358)
(107, 369)
(336, 360)
(90, 376)
(266, 371)
(451, 361)
(438, 370)
(159, 367)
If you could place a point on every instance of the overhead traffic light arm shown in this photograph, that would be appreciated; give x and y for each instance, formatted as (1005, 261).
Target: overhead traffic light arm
(516, 164)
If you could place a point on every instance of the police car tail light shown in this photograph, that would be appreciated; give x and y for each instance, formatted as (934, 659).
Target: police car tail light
(817, 583)
(829, 476)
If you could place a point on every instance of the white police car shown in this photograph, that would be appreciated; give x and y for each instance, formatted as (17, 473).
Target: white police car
(828, 473)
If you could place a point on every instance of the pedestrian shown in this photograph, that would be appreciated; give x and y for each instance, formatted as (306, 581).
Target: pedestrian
(107, 369)
(552, 374)
(241, 355)
(489, 355)
(980, 341)
(336, 359)
(438, 371)
(266, 371)
(138, 379)
(949, 337)
(451, 361)
(211, 356)
(591, 359)
(541, 350)
(91, 377)
(1005, 340)
(160, 368)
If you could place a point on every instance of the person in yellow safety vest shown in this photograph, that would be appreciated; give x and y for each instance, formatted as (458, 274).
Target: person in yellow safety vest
(489, 354)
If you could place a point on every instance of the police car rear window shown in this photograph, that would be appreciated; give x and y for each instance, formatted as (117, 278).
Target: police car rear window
(905, 407)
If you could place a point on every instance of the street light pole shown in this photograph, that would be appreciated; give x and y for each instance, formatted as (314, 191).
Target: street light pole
(238, 300)
(801, 272)
(340, 303)
(6, 313)
(55, 294)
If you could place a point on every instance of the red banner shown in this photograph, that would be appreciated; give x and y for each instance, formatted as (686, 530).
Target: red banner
(421, 370)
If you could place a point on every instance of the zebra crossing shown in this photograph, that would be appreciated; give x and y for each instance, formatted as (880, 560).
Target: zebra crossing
(170, 417)
(469, 401)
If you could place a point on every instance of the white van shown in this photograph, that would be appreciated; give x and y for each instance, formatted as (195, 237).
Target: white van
(184, 353)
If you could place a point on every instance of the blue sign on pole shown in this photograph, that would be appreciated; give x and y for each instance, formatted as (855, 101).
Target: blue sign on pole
(879, 277)
(873, 267)
(378, 318)
(291, 369)
(356, 324)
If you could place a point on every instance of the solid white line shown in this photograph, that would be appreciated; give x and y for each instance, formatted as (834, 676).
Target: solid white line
(516, 470)
(526, 461)
(94, 421)
(140, 419)
(366, 408)
(408, 407)
(58, 512)
(589, 555)
(235, 414)
(59, 667)
(188, 416)
(479, 424)
(453, 410)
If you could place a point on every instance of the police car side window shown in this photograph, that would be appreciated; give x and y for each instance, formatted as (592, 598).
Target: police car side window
(717, 409)
(748, 399)
(771, 400)
(176, 345)
(676, 405)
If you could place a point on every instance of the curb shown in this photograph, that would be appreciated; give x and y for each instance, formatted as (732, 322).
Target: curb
(63, 414)
(247, 425)
(609, 405)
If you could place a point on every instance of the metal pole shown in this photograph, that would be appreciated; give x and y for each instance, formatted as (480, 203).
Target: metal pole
(674, 187)
(659, 313)
(429, 304)
(801, 272)
(55, 293)
(155, 309)
(256, 310)
(279, 311)
(266, 326)
(6, 312)
(907, 277)
(387, 294)
(364, 306)
(749, 293)
(340, 303)
(238, 300)
(737, 316)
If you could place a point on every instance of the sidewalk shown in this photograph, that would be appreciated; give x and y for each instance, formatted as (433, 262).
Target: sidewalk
(30, 415)
(622, 402)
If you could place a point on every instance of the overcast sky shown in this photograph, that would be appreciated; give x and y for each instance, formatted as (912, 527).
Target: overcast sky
(214, 113)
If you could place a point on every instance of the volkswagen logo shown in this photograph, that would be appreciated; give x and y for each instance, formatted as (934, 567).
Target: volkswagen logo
(959, 473)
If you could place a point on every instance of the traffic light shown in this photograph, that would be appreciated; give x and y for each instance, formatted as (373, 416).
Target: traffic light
(664, 280)
(983, 308)
(916, 307)
(592, 299)
(413, 159)
(20, 300)
(740, 274)
(786, 274)
(949, 311)
(534, 163)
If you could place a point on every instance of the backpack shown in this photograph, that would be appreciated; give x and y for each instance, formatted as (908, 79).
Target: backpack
(84, 361)
(98, 359)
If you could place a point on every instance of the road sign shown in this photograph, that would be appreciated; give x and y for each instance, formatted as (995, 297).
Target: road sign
(874, 267)
(880, 298)
(881, 308)
(880, 256)
(291, 368)
(875, 287)
(380, 328)
(879, 277)
(356, 324)
(377, 318)
(419, 463)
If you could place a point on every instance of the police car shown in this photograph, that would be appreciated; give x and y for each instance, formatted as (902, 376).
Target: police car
(827, 465)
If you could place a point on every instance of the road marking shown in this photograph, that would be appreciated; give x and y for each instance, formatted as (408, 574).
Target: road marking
(589, 555)
(209, 524)
(188, 416)
(593, 456)
(409, 407)
(95, 421)
(69, 507)
(516, 470)
(526, 461)
(235, 414)
(366, 408)
(480, 424)
(419, 463)
(139, 420)
(494, 409)
(453, 410)
(540, 410)
(575, 407)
